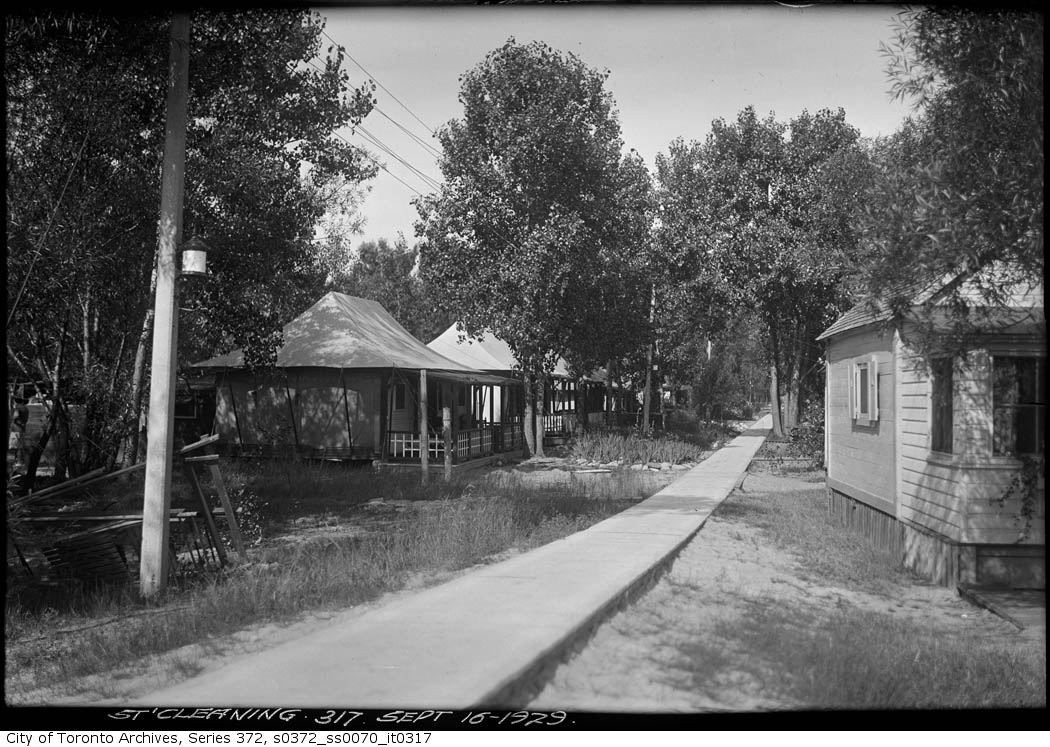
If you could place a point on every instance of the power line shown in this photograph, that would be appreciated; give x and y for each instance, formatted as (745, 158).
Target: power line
(427, 180)
(378, 83)
(433, 151)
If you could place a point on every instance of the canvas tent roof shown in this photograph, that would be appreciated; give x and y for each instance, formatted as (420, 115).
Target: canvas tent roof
(347, 332)
(1025, 296)
(490, 354)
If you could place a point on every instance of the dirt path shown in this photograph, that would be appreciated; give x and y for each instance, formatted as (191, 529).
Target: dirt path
(672, 649)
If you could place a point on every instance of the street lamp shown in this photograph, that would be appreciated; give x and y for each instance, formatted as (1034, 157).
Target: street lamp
(195, 258)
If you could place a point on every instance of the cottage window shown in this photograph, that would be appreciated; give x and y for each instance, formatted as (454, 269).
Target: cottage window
(399, 395)
(1019, 405)
(864, 392)
(941, 405)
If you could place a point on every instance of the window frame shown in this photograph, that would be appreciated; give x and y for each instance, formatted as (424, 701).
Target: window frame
(864, 390)
(937, 402)
(1040, 416)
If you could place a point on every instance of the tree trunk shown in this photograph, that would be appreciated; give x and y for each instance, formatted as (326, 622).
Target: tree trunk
(581, 406)
(58, 410)
(647, 396)
(538, 384)
(136, 425)
(774, 401)
(37, 452)
(608, 393)
(794, 393)
(528, 426)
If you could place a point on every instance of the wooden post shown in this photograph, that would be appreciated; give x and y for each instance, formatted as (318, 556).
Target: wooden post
(424, 437)
(291, 417)
(446, 432)
(156, 500)
(233, 405)
(385, 399)
(346, 413)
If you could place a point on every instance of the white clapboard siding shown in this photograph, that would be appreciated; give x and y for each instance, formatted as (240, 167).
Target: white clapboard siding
(861, 456)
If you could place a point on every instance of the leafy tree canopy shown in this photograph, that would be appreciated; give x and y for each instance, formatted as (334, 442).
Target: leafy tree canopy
(85, 107)
(538, 229)
(960, 186)
(759, 217)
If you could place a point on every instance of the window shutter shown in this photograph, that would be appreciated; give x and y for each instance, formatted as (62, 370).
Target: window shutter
(873, 389)
(854, 377)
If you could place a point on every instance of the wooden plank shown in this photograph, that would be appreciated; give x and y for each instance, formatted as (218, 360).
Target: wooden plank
(176, 513)
(231, 516)
(208, 519)
(70, 483)
(202, 459)
(206, 441)
(64, 489)
(882, 503)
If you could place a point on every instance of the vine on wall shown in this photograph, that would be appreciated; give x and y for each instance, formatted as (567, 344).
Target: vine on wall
(1025, 485)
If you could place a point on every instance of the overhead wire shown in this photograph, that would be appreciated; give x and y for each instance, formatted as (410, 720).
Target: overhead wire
(428, 180)
(433, 151)
(378, 82)
(369, 137)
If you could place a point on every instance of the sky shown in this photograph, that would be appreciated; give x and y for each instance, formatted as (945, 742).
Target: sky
(672, 71)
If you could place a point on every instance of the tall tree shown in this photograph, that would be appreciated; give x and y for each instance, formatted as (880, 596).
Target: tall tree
(960, 186)
(764, 222)
(86, 96)
(387, 274)
(537, 198)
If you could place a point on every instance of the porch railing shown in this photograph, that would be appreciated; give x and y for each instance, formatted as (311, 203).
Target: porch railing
(474, 443)
(554, 424)
(405, 445)
(469, 444)
(508, 437)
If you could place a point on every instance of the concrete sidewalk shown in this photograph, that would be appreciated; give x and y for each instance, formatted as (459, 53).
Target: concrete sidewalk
(468, 642)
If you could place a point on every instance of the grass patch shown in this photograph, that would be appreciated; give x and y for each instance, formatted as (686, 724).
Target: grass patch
(633, 448)
(863, 660)
(798, 521)
(358, 553)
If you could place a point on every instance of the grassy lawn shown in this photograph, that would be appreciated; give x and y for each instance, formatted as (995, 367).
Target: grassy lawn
(322, 539)
(859, 658)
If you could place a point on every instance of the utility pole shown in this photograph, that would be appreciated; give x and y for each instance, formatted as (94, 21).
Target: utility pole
(153, 569)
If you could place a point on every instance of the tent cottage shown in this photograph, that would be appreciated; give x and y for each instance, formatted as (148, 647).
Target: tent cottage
(919, 456)
(493, 355)
(347, 385)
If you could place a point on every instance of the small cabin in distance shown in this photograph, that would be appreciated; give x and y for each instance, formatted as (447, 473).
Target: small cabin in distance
(921, 449)
(561, 391)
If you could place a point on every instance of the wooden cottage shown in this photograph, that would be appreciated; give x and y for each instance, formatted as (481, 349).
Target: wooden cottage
(347, 384)
(561, 391)
(920, 450)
